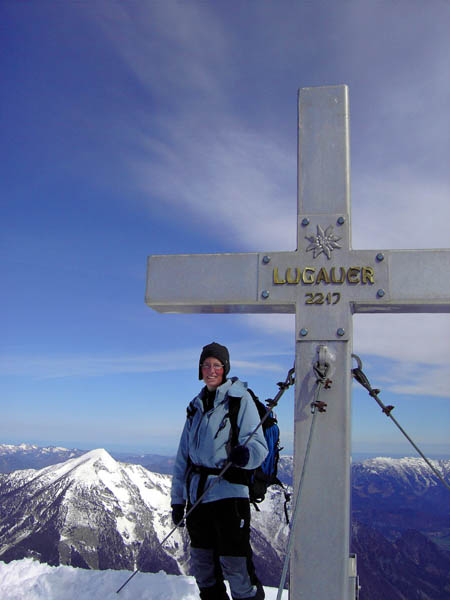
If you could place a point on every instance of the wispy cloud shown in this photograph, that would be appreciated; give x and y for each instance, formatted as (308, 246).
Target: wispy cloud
(206, 156)
(415, 348)
(99, 365)
(176, 51)
(206, 148)
(417, 339)
(49, 367)
(238, 184)
(402, 208)
(420, 380)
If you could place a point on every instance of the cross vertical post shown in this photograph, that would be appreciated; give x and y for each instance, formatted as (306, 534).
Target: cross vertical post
(319, 562)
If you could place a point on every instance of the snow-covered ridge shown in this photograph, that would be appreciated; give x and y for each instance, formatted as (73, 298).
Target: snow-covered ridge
(85, 467)
(29, 580)
(410, 462)
(27, 448)
(408, 469)
(399, 485)
(26, 456)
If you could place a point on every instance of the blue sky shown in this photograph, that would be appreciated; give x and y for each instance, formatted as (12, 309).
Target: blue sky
(137, 128)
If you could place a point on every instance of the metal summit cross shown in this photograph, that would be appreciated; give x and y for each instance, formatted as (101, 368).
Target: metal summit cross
(324, 282)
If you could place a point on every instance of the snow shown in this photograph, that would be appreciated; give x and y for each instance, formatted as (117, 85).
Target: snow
(10, 449)
(126, 528)
(406, 467)
(30, 580)
(23, 447)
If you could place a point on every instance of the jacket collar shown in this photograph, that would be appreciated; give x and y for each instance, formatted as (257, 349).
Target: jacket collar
(232, 386)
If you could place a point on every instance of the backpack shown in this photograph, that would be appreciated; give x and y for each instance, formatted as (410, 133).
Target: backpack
(266, 474)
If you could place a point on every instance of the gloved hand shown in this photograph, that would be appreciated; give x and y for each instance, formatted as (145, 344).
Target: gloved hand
(239, 456)
(178, 514)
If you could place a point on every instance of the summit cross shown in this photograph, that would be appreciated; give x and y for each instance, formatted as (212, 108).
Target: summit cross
(323, 282)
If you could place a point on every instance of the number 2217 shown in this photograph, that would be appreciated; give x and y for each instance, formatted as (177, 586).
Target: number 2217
(319, 298)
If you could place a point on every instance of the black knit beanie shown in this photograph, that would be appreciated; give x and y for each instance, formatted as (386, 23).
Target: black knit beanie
(215, 350)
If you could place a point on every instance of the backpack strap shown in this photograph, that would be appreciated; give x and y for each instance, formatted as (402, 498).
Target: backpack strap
(234, 404)
(235, 474)
(191, 409)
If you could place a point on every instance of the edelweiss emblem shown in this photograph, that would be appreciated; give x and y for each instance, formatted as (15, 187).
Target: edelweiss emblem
(323, 241)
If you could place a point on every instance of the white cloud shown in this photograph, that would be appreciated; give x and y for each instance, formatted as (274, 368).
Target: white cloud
(400, 208)
(204, 156)
(414, 349)
(239, 185)
(172, 48)
(419, 338)
(421, 380)
(99, 365)
(48, 367)
(201, 148)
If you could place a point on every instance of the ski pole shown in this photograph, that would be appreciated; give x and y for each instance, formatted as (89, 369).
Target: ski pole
(181, 522)
(271, 404)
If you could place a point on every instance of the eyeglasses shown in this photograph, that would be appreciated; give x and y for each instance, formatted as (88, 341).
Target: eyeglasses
(212, 367)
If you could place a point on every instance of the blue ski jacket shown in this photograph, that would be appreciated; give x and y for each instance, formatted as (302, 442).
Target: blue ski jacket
(205, 442)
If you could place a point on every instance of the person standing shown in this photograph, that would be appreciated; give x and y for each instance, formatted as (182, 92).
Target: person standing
(219, 526)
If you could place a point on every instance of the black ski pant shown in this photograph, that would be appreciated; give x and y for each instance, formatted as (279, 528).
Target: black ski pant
(220, 539)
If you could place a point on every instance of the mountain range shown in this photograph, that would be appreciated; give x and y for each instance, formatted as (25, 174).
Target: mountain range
(94, 512)
(401, 528)
(394, 495)
(31, 456)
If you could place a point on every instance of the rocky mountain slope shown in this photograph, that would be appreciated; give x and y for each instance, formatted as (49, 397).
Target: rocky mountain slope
(410, 568)
(89, 512)
(94, 512)
(401, 529)
(395, 495)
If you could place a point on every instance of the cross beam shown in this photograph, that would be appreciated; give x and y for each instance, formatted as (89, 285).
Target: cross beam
(323, 282)
(412, 281)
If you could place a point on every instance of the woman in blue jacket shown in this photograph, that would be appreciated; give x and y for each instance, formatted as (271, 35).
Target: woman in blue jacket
(219, 526)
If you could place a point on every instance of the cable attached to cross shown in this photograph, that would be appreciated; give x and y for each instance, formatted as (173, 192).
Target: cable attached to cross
(362, 379)
(317, 406)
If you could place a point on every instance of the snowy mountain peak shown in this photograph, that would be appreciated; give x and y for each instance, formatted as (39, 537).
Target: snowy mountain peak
(86, 469)
(90, 511)
(99, 459)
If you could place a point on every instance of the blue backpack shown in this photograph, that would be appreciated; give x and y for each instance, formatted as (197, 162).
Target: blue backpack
(266, 474)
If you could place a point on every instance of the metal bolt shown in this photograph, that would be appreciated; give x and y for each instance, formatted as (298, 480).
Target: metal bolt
(303, 332)
(340, 332)
(341, 220)
(380, 293)
(305, 222)
(380, 256)
(265, 294)
(266, 259)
